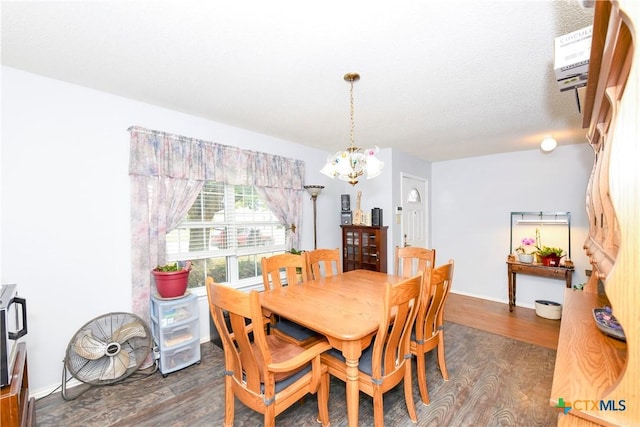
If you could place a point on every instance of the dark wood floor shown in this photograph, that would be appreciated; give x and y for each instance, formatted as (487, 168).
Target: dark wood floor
(482, 390)
(522, 324)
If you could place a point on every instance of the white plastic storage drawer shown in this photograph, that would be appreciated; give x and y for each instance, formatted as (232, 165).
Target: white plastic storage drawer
(172, 336)
(168, 313)
(181, 357)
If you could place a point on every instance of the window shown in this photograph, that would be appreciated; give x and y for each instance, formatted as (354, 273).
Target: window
(225, 234)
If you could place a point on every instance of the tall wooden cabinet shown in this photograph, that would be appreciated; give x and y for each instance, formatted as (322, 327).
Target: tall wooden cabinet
(364, 248)
(597, 378)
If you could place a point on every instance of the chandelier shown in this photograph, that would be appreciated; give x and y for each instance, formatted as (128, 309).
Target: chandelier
(353, 162)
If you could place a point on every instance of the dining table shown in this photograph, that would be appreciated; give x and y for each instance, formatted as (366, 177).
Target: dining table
(346, 308)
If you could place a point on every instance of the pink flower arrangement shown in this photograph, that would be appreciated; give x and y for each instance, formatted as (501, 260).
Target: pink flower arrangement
(527, 241)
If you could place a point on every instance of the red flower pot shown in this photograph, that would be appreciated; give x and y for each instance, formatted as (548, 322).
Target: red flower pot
(171, 284)
(551, 260)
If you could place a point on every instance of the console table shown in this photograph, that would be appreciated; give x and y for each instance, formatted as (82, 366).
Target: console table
(515, 267)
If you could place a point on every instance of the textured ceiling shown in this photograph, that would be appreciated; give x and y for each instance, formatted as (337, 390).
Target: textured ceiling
(439, 80)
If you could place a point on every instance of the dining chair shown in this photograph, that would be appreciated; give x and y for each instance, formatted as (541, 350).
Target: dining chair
(411, 259)
(264, 372)
(387, 361)
(293, 268)
(429, 329)
(323, 263)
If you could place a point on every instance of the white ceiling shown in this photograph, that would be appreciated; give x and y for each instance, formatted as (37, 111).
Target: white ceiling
(439, 79)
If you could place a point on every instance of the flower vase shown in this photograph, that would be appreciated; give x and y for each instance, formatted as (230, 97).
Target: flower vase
(525, 258)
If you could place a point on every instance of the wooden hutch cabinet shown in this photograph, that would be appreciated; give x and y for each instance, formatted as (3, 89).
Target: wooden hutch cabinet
(16, 408)
(364, 248)
(597, 378)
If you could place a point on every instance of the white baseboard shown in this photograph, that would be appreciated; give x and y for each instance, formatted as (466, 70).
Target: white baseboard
(502, 301)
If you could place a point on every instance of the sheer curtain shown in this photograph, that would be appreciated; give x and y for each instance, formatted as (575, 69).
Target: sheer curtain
(167, 172)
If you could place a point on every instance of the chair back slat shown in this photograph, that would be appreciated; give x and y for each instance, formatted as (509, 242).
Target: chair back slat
(391, 343)
(431, 313)
(410, 260)
(293, 266)
(323, 263)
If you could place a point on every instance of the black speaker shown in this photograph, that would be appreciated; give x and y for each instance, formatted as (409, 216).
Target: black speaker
(345, 202)
(345, 218)
(376, 217)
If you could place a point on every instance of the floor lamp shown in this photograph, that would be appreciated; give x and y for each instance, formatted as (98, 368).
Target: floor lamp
(314, 190)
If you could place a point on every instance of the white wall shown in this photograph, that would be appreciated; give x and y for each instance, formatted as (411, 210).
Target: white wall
(471, 204)
(65, 204)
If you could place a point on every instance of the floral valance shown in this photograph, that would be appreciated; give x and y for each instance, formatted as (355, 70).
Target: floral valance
(156, 153)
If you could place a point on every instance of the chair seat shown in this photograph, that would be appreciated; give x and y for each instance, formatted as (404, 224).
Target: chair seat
(415, 340)
(294, 330)
(282, 350)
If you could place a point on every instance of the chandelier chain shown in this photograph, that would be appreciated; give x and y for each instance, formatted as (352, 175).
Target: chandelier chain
(352, 112)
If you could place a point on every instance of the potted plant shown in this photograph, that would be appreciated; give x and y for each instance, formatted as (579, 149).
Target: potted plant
(172, 279)
(295, 251)
(523, 256)
(550, 256)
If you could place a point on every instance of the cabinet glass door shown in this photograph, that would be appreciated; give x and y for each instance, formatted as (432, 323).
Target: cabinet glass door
(352, 249)
(369, 251)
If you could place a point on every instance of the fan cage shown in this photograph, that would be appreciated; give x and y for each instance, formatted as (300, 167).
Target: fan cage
(109, 348)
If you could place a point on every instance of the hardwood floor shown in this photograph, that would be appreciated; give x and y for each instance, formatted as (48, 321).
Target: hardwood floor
(522, 324)
(488, 378)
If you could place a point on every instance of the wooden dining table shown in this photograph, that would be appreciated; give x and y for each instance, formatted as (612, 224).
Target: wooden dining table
(345, 308)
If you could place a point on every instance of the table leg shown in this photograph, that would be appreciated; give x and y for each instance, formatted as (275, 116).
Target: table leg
(351, 352)
(512, 289)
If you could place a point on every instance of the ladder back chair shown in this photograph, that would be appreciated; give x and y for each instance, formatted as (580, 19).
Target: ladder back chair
(294, 269)
(387, 361)
(410, 260)
(323, 263)
(264, 372)
(429, 329)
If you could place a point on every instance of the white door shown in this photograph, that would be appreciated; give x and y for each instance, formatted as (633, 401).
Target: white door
(414, 211)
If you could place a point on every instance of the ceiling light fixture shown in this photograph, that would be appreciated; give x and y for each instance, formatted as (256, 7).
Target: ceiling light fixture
(548, 144)
(353, 162)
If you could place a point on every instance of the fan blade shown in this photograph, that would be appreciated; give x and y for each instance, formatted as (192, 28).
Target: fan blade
(89, 347)
(132, 357)
(118, 365)
(128, 331)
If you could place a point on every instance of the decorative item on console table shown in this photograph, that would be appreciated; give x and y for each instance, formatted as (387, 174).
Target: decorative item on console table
(172, 279)
(550, 257)
(523, 256)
